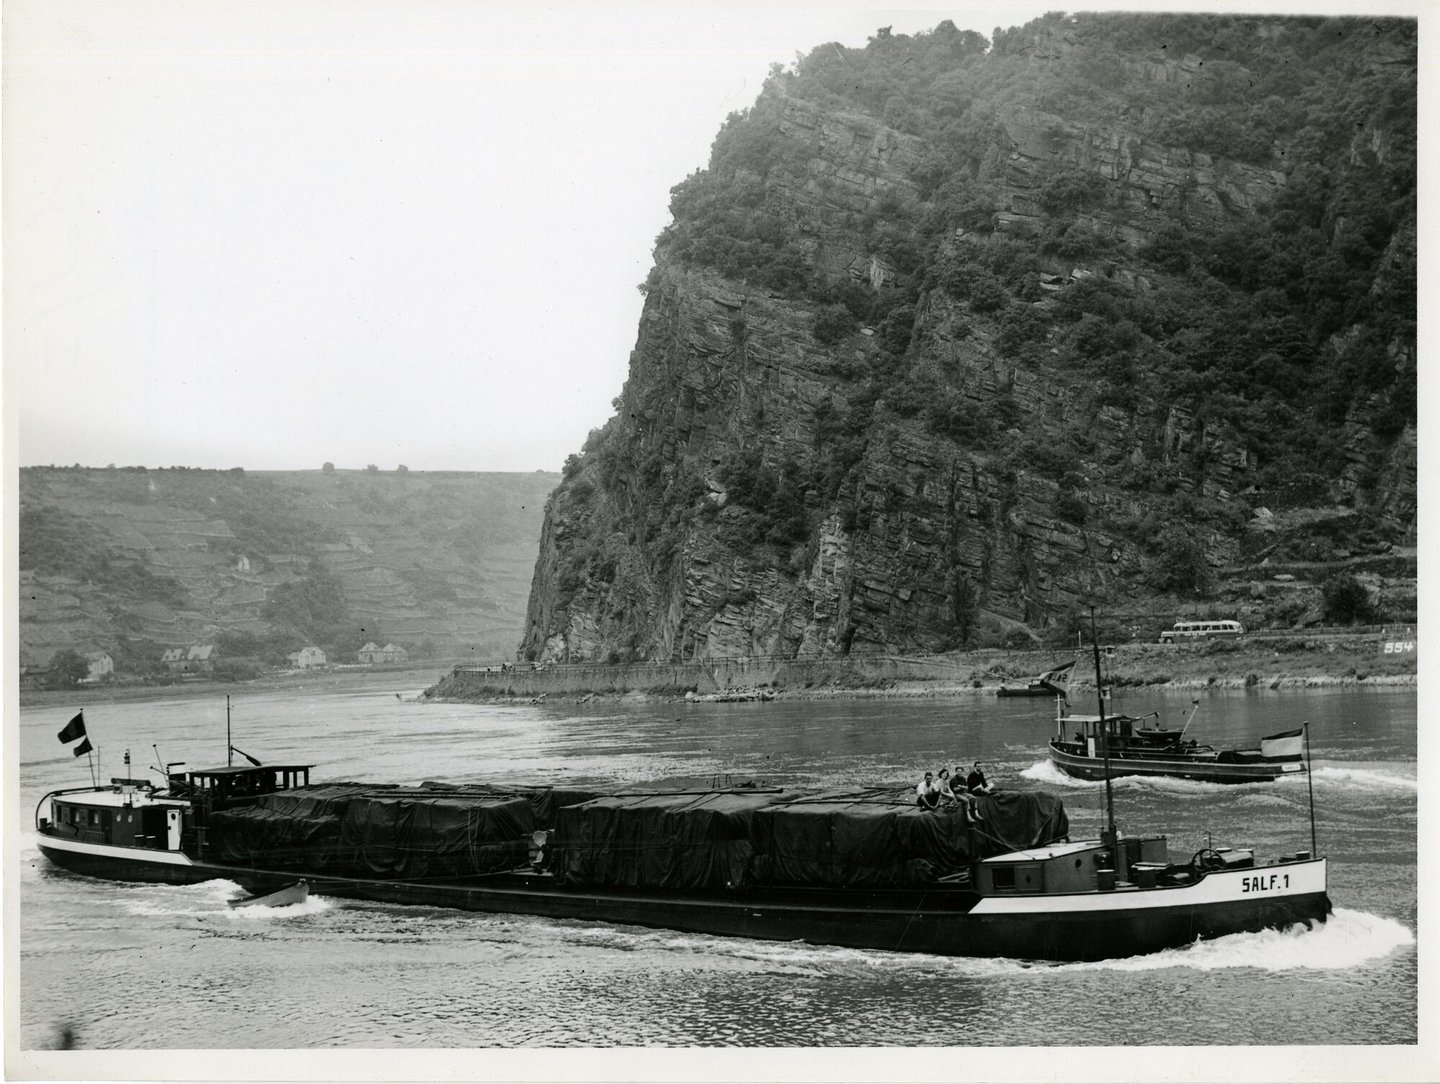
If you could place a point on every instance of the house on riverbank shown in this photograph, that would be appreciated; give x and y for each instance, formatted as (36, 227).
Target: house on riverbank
(369, 655)
(307, 658)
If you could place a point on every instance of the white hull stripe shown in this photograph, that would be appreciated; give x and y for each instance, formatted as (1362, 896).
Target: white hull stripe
(1228, 886)
(106, 850)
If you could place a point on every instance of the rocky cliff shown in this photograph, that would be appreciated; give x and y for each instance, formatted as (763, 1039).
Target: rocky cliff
(949, 343)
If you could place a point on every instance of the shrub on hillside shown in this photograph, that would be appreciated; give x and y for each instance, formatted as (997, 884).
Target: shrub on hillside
(1346, 600)
(834, 323)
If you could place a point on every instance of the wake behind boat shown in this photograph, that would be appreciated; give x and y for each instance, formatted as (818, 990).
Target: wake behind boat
(864, 869)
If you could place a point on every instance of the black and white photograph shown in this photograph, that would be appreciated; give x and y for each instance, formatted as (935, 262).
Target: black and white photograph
(700, 541)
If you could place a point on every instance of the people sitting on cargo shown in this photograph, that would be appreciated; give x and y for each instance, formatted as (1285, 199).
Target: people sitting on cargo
(945, 787)
(975, 781)
(962, 795)
(927, 795)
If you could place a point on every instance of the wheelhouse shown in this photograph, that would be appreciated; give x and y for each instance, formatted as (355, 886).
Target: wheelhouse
(220, 787)
(126, 814)
(132, 813)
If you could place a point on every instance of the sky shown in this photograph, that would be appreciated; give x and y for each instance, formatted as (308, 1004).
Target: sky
(272, 235)
(275, 235)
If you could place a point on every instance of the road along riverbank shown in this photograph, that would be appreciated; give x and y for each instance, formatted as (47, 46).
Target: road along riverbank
(1270, 663)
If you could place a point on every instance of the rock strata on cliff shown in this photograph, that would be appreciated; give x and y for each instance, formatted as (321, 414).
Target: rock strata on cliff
(947, 345)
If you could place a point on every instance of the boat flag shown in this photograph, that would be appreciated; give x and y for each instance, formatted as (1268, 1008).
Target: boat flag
(1059, 677)
(83, 748)
(1286, 746)
(75, 728)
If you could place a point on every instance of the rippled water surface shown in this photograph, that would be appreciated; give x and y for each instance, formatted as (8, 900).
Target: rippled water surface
(333, 973)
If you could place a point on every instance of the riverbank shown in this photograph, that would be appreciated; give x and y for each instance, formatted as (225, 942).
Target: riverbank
(404, 679)
(921, 690)
(1288, 663)
(1333, 662)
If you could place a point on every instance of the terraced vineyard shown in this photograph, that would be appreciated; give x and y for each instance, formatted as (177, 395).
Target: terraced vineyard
(133, 561)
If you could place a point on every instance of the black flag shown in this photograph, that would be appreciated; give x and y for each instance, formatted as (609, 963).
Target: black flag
(83, 748)
(75, 728)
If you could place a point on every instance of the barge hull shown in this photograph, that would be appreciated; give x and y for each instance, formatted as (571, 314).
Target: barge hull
(1094, 770)
(939, 921)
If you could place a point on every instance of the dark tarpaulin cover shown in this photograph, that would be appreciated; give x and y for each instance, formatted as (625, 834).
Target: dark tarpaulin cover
(681, 840)
(864, 839)
(546, 799)
(875, 839)
(415, 834)
(377, 831)
(1016, 819)
(290, 828)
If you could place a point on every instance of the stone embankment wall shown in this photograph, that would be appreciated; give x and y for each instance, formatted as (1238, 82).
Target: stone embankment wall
(721, 676)
(1267, 658)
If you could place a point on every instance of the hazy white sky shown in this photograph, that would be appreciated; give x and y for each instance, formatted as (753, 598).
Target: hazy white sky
(396, 231)
(270, 235)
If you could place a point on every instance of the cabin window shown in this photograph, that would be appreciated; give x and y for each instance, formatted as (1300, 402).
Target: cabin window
(94, 818)
(1004, 877)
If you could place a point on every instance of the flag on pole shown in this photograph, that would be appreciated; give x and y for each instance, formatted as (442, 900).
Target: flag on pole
(1287, 746)
(75, 728)
(1058, 679)
(1059, 676)
(83, 748)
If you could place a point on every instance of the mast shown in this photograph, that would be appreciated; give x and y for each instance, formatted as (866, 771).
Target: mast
(230, 749)
(1110, 835)
(1310, 783)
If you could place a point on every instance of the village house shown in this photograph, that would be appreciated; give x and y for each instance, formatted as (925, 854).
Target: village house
(101, 665)
(307, 658)
(370, 654)
(196, 659)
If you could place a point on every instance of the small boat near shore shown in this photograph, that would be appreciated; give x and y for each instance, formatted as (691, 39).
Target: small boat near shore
(864, 869)
(1052, 683)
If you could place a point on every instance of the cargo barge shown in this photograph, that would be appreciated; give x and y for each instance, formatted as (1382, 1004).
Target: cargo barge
(863, 869)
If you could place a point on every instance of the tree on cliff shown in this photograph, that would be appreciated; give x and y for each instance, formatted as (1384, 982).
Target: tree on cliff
(1346, 600)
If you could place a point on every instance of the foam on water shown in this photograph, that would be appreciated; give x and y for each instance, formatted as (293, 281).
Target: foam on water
(1047, 774)
(211, 898)
(1348, 940)
(1042, 771)
(1365, 779)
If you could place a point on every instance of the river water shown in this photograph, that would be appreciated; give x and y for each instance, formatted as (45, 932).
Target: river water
(339, 974)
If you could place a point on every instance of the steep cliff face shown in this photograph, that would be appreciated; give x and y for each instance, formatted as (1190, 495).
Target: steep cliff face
(893, 392)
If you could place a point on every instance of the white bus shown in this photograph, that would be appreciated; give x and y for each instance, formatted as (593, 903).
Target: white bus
(1191, 630)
